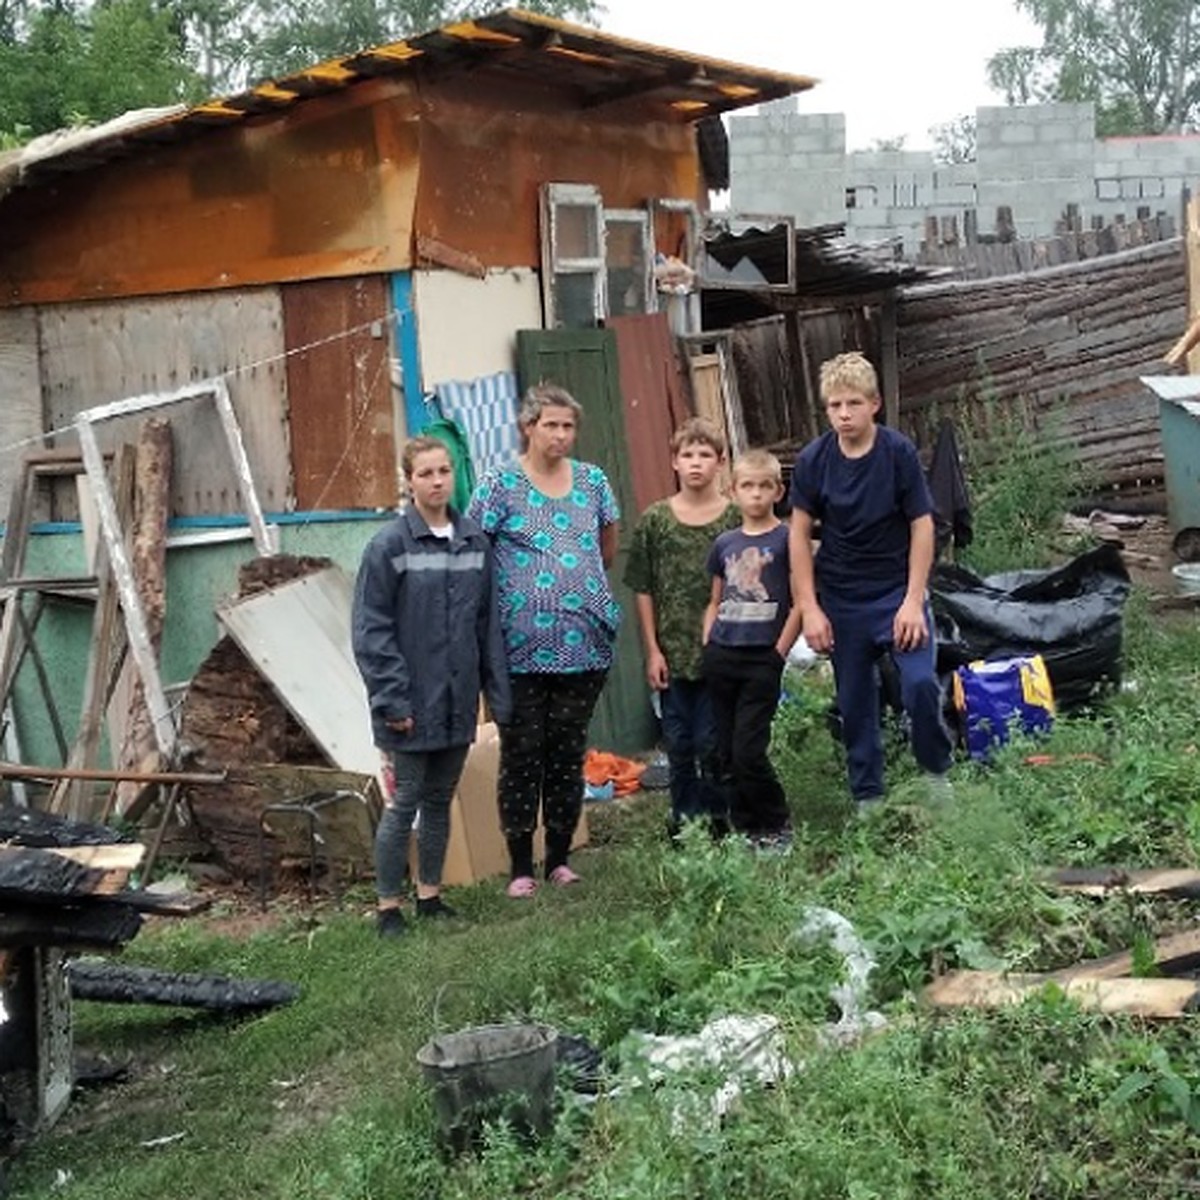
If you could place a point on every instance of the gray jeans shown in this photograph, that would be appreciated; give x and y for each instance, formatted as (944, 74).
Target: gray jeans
(424, 784)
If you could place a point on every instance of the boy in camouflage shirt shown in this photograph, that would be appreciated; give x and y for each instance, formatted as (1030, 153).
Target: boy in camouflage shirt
(666, 571)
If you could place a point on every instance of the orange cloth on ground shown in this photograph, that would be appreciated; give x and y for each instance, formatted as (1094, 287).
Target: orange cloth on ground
(599, 767)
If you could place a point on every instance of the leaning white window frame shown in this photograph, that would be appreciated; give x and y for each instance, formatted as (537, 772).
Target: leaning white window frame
(136, 629)
(639, 220)
(690, 250)
(736, 223)
(556, 196)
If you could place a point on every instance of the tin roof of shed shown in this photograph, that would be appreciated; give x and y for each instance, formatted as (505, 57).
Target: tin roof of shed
(595, 68)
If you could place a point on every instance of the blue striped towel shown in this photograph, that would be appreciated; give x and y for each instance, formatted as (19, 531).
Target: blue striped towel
(486, 410)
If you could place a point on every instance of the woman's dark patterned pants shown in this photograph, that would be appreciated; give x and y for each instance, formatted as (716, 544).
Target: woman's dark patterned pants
(541, 761)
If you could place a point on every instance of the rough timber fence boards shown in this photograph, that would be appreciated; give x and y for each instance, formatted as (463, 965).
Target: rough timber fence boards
(1065, 343)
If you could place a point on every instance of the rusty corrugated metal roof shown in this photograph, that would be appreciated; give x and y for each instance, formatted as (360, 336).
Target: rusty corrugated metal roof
(596, 70)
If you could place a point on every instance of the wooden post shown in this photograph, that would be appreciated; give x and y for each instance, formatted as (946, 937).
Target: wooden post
(152, 506)
(1193, 272)
(889, 352)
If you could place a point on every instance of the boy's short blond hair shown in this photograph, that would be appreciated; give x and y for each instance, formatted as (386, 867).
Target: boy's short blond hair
(758, 462)
(698, 431)
(851, 372)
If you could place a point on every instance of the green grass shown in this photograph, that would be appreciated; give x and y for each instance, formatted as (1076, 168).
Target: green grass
(323, 1099)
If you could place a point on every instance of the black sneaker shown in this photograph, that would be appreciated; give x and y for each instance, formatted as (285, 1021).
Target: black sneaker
(390, 923)
(434, 907)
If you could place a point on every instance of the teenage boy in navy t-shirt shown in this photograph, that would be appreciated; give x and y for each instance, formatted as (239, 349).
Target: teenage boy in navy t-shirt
(749, 627)
(864, 595)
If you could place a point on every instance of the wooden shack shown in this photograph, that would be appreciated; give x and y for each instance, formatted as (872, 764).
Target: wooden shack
(341, 244)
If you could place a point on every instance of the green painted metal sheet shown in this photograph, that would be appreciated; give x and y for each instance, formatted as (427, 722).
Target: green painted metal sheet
(584, 361)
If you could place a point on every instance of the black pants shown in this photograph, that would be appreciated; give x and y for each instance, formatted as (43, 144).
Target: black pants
(541, 762)
(744, 686)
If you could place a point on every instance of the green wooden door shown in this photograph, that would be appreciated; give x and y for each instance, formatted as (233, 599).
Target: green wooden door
(584, 361)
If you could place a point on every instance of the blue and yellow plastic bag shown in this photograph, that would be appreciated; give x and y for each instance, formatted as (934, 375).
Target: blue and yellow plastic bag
(995, 696)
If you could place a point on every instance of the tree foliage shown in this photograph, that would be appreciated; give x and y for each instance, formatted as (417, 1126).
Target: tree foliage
(1138, 61)
(66, 62)
(955, 141)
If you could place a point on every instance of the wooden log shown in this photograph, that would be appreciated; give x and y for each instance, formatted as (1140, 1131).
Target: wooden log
(90, 927)
(1158, 998)
(152, 509)
(116, 983)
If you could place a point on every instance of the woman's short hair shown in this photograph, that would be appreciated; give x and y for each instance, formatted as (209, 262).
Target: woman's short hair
(546, 395)
(419, 445)
(850, 372)
(698, 431)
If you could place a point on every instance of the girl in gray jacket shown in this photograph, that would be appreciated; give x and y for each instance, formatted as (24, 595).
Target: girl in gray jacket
(427, 640)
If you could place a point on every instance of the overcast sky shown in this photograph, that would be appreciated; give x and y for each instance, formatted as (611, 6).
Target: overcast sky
(892, 66)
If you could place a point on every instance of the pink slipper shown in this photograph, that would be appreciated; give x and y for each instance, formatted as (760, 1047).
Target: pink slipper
(563, 876)
(521, 888)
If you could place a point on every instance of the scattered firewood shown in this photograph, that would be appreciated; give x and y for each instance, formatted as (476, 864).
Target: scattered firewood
(117, 983)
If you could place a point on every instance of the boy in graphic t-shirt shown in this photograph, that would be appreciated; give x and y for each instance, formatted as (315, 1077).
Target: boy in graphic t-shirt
(749, 627)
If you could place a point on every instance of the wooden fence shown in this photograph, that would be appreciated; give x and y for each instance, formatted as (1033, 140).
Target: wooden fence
(1064, 346)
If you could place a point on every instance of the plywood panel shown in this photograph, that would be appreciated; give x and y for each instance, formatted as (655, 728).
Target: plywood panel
(20, 394)
(467, 328)
(340, 393)
(97, 353)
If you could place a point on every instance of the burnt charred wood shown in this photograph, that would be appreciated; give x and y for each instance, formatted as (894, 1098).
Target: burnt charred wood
(88, 927)
(120, 984)
(31, 827)
(161, 904)
(43, 876)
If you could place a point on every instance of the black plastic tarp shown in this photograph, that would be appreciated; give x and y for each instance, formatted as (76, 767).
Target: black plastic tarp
(1073, 616)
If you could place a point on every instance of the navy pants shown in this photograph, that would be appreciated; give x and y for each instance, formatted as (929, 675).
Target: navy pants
(862, 630)
(744, 686)
(690, 736)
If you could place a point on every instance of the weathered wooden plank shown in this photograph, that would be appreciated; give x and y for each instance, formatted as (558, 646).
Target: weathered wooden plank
(1159, 998)
(20, 370)
(1182, 882)
(104, 351)
(1172, 955)
(124, 857)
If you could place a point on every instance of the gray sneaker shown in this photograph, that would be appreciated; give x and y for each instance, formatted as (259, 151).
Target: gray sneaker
(938, 788)
(867, 805)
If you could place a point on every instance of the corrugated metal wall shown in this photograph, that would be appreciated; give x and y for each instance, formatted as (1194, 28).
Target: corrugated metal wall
(1070, 342)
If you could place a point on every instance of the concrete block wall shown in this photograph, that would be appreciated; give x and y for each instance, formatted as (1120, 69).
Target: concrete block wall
(1035, 159)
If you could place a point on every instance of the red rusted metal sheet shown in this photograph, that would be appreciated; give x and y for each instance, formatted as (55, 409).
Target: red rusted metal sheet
(339, 393)
(654, 401)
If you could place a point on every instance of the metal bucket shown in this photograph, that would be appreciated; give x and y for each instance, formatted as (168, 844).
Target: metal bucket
(1187, 578)
(491, 1071)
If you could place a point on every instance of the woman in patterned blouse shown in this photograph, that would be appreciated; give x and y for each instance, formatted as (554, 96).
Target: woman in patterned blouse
(553, 523)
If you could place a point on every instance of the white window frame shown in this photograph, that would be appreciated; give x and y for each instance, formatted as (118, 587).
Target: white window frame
(573, 195)
(641, 218)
